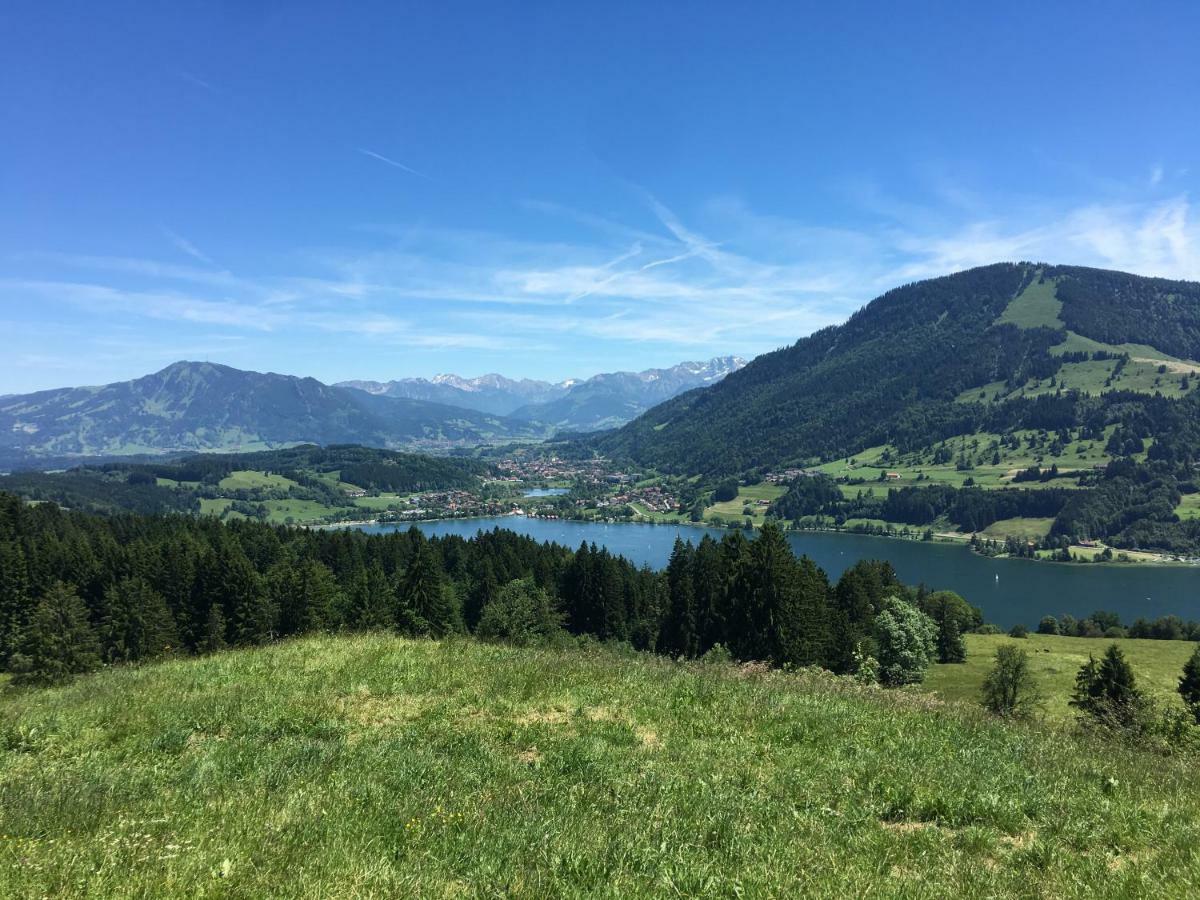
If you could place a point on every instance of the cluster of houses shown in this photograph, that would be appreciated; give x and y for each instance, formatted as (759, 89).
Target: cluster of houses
(551, 468)
(787, 476)
(437, 504)
(652, 498)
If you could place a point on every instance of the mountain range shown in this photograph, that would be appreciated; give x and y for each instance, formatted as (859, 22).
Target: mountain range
(602, 401)
(201, 406)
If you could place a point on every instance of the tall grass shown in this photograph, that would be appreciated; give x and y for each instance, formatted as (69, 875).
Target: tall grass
(374, 766)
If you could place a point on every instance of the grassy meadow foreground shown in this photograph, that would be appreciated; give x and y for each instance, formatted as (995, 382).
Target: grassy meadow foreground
(377, 766)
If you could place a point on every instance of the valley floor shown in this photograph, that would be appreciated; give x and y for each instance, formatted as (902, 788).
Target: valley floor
(375, 766)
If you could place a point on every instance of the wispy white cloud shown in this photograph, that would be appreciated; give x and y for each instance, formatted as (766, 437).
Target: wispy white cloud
(391, 162)
(193, 79)
(188, 247)
(726, 279)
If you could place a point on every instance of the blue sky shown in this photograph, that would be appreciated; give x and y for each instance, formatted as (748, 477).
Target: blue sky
(374, 190)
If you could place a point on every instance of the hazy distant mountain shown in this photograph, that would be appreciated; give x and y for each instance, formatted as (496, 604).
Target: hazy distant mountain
(204, 406)
(603, 401)
(488, 393)
(606, 401)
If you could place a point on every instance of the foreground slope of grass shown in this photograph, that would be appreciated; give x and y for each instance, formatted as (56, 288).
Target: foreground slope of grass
(373, 766)
(1055, 660)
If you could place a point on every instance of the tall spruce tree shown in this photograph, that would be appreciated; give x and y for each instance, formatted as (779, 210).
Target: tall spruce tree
(710, 582)
(58, 642)
(428, 605)
(1189, 684)
(14, 598)
(679, 636)
(136, 623)
(800, 619)
(370, 600)
(305, 594)
(1107, 693)
(761, 590)
(213, 636)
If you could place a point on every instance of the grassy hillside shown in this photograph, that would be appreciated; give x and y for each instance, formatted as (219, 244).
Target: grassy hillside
(1055, 660)
(373, 766)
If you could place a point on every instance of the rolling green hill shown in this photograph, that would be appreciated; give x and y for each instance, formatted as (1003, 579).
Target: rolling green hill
(1012, 375)
(377, 766)
(303, 484)
(908, 369)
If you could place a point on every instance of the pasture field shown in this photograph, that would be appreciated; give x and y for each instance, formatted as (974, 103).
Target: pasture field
(245, 479)
(730, 510)
(1055, 661)
(371, 766)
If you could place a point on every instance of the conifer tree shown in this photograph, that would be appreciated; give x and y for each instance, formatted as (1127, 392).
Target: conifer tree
(251, 613)
(427, 605)
(709, 581)
(1106, 691)
(951, 646)
(760, 590)
(212, 638)
(484, 589)
(58, 642)
(678, 636)
(800, 619)
(611, 598)
(1189, 684)
(371, 600)
(305, 594)
(14, 598)
(136, 623)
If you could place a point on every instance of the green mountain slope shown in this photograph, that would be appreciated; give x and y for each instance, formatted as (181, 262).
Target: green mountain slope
(379, 767)
(994, 348)
(204, 406)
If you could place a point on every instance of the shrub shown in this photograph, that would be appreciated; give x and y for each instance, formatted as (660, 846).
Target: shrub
(1048, 625)
(1018, 631)
(907, 642)
(866, 667)
(522, 614)
(717, 655)
(1009, 688)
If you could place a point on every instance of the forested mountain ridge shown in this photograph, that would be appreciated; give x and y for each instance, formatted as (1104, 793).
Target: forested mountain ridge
(897, 371)
(205, 406)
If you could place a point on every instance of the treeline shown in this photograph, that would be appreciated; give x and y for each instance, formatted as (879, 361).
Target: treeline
(77, 590)
(1104, 624)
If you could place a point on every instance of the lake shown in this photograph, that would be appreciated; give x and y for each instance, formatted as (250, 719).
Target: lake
(1008, 590)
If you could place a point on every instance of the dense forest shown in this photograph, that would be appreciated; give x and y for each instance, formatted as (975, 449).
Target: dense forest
(78, 589)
